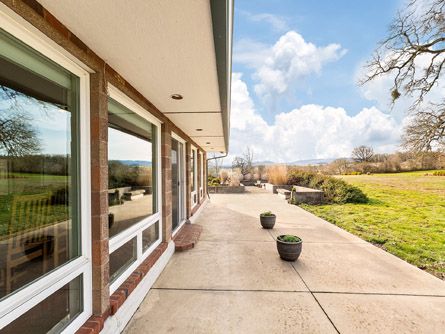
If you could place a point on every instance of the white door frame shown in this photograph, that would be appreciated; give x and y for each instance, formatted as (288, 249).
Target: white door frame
(194, 193)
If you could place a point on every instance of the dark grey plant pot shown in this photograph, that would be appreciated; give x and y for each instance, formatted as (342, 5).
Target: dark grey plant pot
(289, 251)
(268, 222)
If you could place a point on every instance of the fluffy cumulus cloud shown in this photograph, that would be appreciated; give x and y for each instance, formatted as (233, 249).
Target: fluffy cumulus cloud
(290, 59)
(311, 131)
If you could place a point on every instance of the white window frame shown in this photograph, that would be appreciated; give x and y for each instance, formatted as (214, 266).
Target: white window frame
(183, 183)
(194, 191)
(136, 230)
(26, 298)
(201, 184)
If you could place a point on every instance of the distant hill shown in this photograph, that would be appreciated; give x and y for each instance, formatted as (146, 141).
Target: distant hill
(293, 163)
(142, 163)
(312, 162)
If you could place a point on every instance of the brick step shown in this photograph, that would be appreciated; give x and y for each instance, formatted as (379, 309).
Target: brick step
(187, 237)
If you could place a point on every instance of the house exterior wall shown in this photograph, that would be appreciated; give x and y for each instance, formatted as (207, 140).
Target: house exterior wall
(104, 305)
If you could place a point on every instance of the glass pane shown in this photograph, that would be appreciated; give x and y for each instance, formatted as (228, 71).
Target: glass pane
(39, 214)
(131, 168)
(175, 160)
(52, 314)
(122, 258)
(193, 174)
(150, 235)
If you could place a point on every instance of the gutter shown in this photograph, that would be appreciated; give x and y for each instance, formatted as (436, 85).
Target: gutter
(222, 21)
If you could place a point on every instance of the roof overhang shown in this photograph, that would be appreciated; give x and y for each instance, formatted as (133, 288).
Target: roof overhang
(163, 48)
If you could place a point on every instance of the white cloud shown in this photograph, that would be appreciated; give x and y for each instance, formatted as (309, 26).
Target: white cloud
(278, 23)
(311, 131)
(290, 59)
(250, 52)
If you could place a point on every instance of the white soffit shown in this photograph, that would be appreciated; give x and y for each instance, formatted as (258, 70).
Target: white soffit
(210, 123)
(210, 143)
(161, 47)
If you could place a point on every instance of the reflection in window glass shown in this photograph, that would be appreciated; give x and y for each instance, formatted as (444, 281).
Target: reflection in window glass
(193, 167)
(131, 168)
(150, 235)
(52, 314)
(122, 258)
(39, 214)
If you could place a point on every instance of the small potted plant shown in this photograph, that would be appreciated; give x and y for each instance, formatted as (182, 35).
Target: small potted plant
(267, 219)
(289, 247)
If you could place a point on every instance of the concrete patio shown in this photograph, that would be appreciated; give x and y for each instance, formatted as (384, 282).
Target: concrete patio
(234, 282)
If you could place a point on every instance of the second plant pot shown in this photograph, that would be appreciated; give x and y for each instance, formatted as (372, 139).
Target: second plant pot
(267, 220)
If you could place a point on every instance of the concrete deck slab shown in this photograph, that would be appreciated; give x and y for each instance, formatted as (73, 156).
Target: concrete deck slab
(319, 234)
(169, 311)
(362, 268)
(385, 314)
(234, 281)
(230, 266)
(224, 224)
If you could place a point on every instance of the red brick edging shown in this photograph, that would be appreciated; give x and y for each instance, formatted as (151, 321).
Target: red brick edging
(187, 237)
(96, 323)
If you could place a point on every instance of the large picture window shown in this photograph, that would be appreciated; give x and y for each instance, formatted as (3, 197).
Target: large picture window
(131, 172)
(41, 234)
(133, 196)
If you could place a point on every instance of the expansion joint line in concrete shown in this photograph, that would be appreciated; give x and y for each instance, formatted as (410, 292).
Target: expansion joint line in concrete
(315, 298)
(230, 290)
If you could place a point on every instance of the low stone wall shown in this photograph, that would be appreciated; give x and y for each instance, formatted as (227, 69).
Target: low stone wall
(226, 189)
(273, 188)
(306, 195)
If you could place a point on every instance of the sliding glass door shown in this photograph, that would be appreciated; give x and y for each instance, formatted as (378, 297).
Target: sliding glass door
(177, 160)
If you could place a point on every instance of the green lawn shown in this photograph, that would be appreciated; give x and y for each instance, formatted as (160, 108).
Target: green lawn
(26, 184)
(405, 216)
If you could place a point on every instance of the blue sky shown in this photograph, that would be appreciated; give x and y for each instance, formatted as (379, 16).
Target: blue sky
(295, 71)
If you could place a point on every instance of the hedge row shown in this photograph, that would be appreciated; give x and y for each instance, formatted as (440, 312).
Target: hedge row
(335, 190)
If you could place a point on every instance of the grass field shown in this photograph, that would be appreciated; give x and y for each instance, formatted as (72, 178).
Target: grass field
(26, 184)
(405, 216)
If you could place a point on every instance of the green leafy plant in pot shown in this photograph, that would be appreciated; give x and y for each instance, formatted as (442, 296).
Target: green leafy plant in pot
(267, 219)
(289, 247)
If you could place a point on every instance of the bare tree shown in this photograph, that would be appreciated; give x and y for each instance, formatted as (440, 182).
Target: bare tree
(418, 31)
(215, 164)
(245, 162)
(340, 166)
(426, 131)
(362, 153)
(17, 137)
(416, 36)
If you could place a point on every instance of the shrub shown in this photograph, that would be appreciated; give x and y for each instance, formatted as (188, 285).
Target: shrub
(234, 178)
(267, 214)
(335, 190)
(289, 238)
(223, 176)
(439, 173)
(277, 174)
(213, 181)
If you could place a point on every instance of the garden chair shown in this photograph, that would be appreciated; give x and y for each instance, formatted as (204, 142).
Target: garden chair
(27, 237)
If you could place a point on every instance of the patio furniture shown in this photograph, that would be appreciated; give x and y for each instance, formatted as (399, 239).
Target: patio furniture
(27, 237)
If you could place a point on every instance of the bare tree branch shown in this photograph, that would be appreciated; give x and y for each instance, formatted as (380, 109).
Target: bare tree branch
(418, 31)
